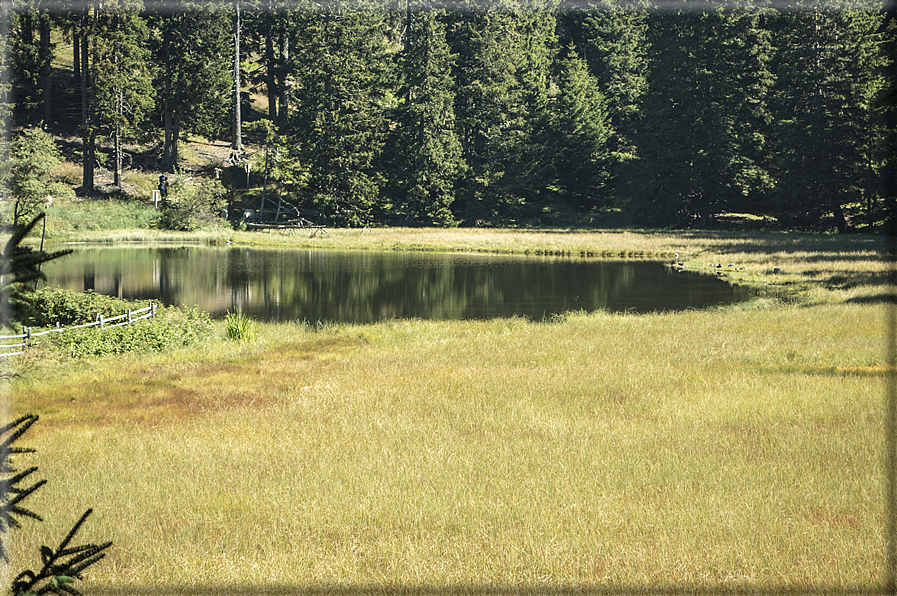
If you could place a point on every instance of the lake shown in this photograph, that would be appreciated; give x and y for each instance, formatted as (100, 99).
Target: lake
(366, 286)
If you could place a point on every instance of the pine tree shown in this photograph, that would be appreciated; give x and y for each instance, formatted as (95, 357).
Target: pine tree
(122, 89)
(339, 124)
(32, 54)
(116, 90)
(192, 49)
(528, 175)
(425, 149)
(236, 114)
(612, 39)
(828, 135)
(6, 102)
(583, 157)
(699, 149)
(489, 107)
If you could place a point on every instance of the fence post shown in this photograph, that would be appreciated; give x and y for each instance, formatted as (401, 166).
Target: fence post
(102, 322)
(152, 310)
(129, 316)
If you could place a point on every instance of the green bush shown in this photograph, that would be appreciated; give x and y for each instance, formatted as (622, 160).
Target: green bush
(192, 206)
(170, 328)
(33, 157)
(67, 307)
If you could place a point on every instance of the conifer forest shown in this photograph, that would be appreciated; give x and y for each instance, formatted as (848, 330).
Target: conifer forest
(472, 113)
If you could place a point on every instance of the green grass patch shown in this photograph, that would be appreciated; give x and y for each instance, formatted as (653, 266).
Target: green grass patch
(93, 215)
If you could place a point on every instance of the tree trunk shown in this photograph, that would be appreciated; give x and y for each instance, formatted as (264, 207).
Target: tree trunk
(76, 57)
(284, 68)
(116, 149)
(45, 58)
(270, 67)
(88, 136)
(169, 148)
(5, 108)
(237, 144)
(119, 112)
(175, 137)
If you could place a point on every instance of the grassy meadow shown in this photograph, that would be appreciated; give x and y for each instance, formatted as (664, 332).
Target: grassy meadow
(732, 448)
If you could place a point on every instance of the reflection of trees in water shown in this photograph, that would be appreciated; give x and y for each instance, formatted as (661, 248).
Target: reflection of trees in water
(372, 286)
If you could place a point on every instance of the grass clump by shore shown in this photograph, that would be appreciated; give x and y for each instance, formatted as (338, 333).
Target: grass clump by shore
(739, 448)
(239, 327)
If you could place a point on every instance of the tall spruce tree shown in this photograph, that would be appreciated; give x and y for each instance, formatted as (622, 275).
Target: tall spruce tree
(236, 90)
(582, 149)
(612, 39)
(116, 89)
(697, 152)
(527, 176)
(32, 53)
(344, 77)
(192, 49)
(122, 84)
(828, 138)
(424, 149)
(6, 103)
(489, 107)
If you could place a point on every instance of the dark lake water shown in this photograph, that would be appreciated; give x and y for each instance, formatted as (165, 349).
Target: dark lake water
(365, 287)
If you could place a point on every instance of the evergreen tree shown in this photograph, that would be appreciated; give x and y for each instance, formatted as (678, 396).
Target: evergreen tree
(116, 90)
(490, 110)
(582, 125)
(528, 175)
(426, 152)
(699, 151)
(268, 32)
(339, 124)
(236, 97)
(613, 41)
(828, 134)
(122, 89)
(32, 52)
(192, 48)
(6, 102)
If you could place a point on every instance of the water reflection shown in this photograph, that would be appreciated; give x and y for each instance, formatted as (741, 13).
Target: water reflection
(364, 286)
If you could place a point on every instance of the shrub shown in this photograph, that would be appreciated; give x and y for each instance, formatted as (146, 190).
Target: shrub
(171, 328)
(192, 206)
(67, 307)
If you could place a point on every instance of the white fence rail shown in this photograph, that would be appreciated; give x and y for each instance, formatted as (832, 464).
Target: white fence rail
(29, 338)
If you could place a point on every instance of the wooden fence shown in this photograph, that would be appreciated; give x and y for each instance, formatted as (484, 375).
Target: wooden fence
(28, 338)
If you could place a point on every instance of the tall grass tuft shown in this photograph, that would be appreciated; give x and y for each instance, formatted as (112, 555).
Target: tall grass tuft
(239, 327)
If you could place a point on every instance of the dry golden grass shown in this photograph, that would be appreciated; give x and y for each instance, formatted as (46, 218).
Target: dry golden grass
(703, 449)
